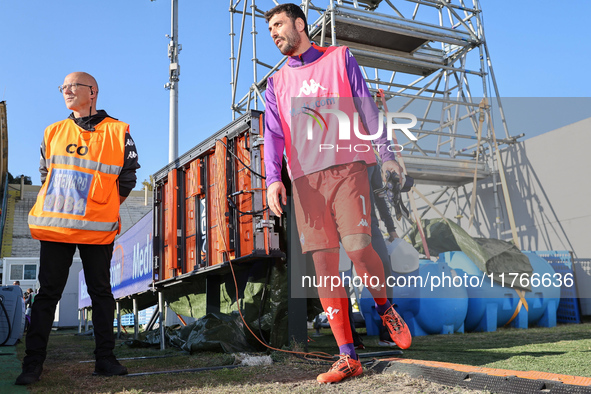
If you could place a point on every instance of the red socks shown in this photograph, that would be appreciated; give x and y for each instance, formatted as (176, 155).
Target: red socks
(333, 302)
(370, 269)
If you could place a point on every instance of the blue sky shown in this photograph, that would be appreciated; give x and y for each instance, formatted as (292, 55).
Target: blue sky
(538, 49)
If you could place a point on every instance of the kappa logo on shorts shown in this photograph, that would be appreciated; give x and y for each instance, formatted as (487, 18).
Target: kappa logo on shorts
(302, 239)
(331, 312)
(363, 223)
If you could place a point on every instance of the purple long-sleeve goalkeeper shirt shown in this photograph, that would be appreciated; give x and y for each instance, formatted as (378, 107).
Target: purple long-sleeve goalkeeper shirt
(274, 136)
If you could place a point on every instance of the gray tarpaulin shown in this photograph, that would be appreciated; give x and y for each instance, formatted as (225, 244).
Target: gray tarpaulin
(214, 332)
(492, 256)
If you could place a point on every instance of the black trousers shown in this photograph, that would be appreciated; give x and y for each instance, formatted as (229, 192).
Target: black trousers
(55, 261)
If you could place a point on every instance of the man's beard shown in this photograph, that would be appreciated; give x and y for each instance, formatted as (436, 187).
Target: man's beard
(292, 43)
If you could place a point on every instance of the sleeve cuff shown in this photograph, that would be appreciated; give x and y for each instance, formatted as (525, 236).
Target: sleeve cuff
(390, 227)
(270, 180)
(124, 191)
(387, 155)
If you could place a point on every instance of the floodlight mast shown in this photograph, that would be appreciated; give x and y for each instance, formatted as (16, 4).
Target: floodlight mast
(174, 72)
(173, 124)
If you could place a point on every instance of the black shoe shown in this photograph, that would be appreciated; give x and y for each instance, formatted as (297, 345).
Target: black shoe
(109, 366)
(31, 373)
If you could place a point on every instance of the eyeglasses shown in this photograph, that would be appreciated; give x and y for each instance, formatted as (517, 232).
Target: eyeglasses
(72, 87)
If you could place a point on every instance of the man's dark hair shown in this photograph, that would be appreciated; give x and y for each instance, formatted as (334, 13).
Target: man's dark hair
(292, 11)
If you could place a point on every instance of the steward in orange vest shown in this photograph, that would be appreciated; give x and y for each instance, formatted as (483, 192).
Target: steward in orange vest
(88, 168)
(79, 201)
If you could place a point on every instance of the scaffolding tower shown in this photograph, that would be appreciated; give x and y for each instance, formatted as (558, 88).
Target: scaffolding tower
(426, 57)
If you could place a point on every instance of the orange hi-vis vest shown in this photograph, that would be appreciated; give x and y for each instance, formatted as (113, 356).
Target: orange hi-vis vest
(79, 201)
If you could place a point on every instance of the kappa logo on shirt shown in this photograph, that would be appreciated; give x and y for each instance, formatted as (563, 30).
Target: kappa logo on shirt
(129, 142)
(132, 155)
(363, 223)
(330, 312)
(311, 88)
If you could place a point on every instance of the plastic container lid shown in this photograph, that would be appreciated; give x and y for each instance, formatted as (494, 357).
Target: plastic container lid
(404, 258)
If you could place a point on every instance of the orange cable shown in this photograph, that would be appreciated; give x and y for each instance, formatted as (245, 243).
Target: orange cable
(320, 355)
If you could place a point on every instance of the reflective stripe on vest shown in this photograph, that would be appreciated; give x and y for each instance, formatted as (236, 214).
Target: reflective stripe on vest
(73, 224)
(89, 164)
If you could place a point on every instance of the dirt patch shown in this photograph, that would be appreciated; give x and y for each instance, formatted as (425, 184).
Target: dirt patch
(66, 372)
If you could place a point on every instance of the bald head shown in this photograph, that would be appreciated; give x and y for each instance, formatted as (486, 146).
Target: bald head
(84, 78)
(81, 94)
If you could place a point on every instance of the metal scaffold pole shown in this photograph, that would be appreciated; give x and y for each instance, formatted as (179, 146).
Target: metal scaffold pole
(253, 32)
(232, 59)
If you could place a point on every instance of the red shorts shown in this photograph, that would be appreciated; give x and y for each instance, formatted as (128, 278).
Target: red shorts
(331, 204)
